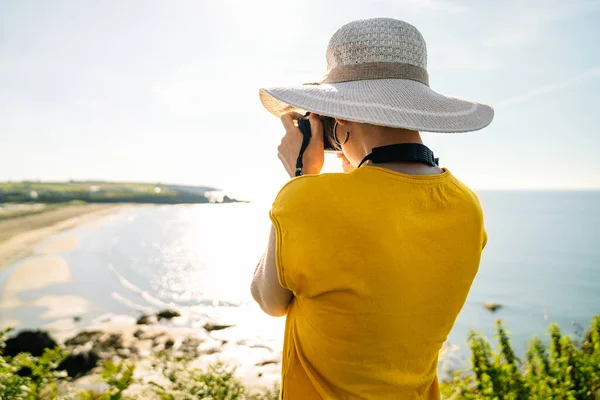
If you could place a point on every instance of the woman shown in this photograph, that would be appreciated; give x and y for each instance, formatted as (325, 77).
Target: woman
(371, 266)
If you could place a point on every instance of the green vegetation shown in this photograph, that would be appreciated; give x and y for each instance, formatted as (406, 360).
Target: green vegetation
(217, 382)
(25, 377)
(105, 192)
(563, 369)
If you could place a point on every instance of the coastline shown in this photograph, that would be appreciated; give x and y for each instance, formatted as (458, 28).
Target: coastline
(113, 336)
(20, 235)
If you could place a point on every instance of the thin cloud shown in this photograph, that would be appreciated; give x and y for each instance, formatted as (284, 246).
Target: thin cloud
(577, 80)
(525, 24)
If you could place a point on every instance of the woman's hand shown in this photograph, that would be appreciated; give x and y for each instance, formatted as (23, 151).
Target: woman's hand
(289, 149)
(346, 166)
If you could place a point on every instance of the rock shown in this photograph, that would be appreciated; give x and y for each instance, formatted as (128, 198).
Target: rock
(167, 314)
(261, 346)
(216, 327)
(79, 363)
(266, 362)
(158, 347)
(493, 307)
(147, 320)
(33, 342)
(143, 335)
(84, 337)
(190, 345)
(113, 341)
(212, 350)
(104, 344)
(124, 353)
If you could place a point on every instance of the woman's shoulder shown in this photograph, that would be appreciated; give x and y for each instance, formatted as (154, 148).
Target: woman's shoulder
(465, 190)
(309, 189)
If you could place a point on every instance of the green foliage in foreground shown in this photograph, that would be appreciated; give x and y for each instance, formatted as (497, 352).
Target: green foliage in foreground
(564, 369)
(217, 382)
(25, 377)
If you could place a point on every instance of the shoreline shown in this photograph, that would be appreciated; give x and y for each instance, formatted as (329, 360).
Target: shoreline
(39, 252)
(22, 234)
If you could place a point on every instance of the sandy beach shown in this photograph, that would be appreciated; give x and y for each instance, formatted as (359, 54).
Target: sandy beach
(18, 236)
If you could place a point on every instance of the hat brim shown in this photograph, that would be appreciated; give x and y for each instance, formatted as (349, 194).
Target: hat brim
(396, 103)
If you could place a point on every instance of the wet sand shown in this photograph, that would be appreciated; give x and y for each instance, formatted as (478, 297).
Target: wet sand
(38, 272)
(44, 266)
(19, 236)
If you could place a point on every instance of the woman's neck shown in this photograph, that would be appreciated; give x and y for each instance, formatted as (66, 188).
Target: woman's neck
(376, 136)
(383, 136)
(410, 168)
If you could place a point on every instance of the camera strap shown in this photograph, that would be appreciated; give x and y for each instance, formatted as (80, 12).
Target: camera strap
(411, 152)
(304, 126)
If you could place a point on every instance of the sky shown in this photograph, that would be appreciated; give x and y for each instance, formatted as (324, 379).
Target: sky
(167, 91)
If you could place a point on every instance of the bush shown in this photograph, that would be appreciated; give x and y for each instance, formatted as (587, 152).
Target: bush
(564, 369)
(25, 377)
(217, 382)
(561, 369)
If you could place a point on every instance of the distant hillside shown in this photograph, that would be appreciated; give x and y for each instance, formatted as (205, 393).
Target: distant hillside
(108, 192)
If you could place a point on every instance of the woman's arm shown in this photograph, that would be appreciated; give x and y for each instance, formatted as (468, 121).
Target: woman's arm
(266, 290)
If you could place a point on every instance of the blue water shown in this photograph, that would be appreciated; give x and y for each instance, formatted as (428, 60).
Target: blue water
(541, 263)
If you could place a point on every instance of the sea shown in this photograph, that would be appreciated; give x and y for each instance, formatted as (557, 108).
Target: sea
(541, 264)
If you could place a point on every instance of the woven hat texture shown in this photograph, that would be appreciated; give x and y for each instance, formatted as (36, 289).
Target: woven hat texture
(377, 39)
(376, 72)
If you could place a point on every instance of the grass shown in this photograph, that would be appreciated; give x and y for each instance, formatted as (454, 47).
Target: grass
(77, 186)
(103, 192)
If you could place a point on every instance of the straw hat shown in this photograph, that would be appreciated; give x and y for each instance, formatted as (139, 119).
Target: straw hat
(377, 74)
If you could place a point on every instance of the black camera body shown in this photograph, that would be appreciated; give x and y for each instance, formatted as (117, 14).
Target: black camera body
(328, 123)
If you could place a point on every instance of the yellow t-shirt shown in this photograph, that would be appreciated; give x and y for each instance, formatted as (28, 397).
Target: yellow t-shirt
(380, 264)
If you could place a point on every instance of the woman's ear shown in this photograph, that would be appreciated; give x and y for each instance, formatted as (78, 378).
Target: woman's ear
(341, 122)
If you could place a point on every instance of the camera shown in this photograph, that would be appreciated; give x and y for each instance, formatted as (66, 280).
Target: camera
(328, 123)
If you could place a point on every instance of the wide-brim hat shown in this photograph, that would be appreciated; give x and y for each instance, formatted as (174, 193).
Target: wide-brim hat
(377, 74)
